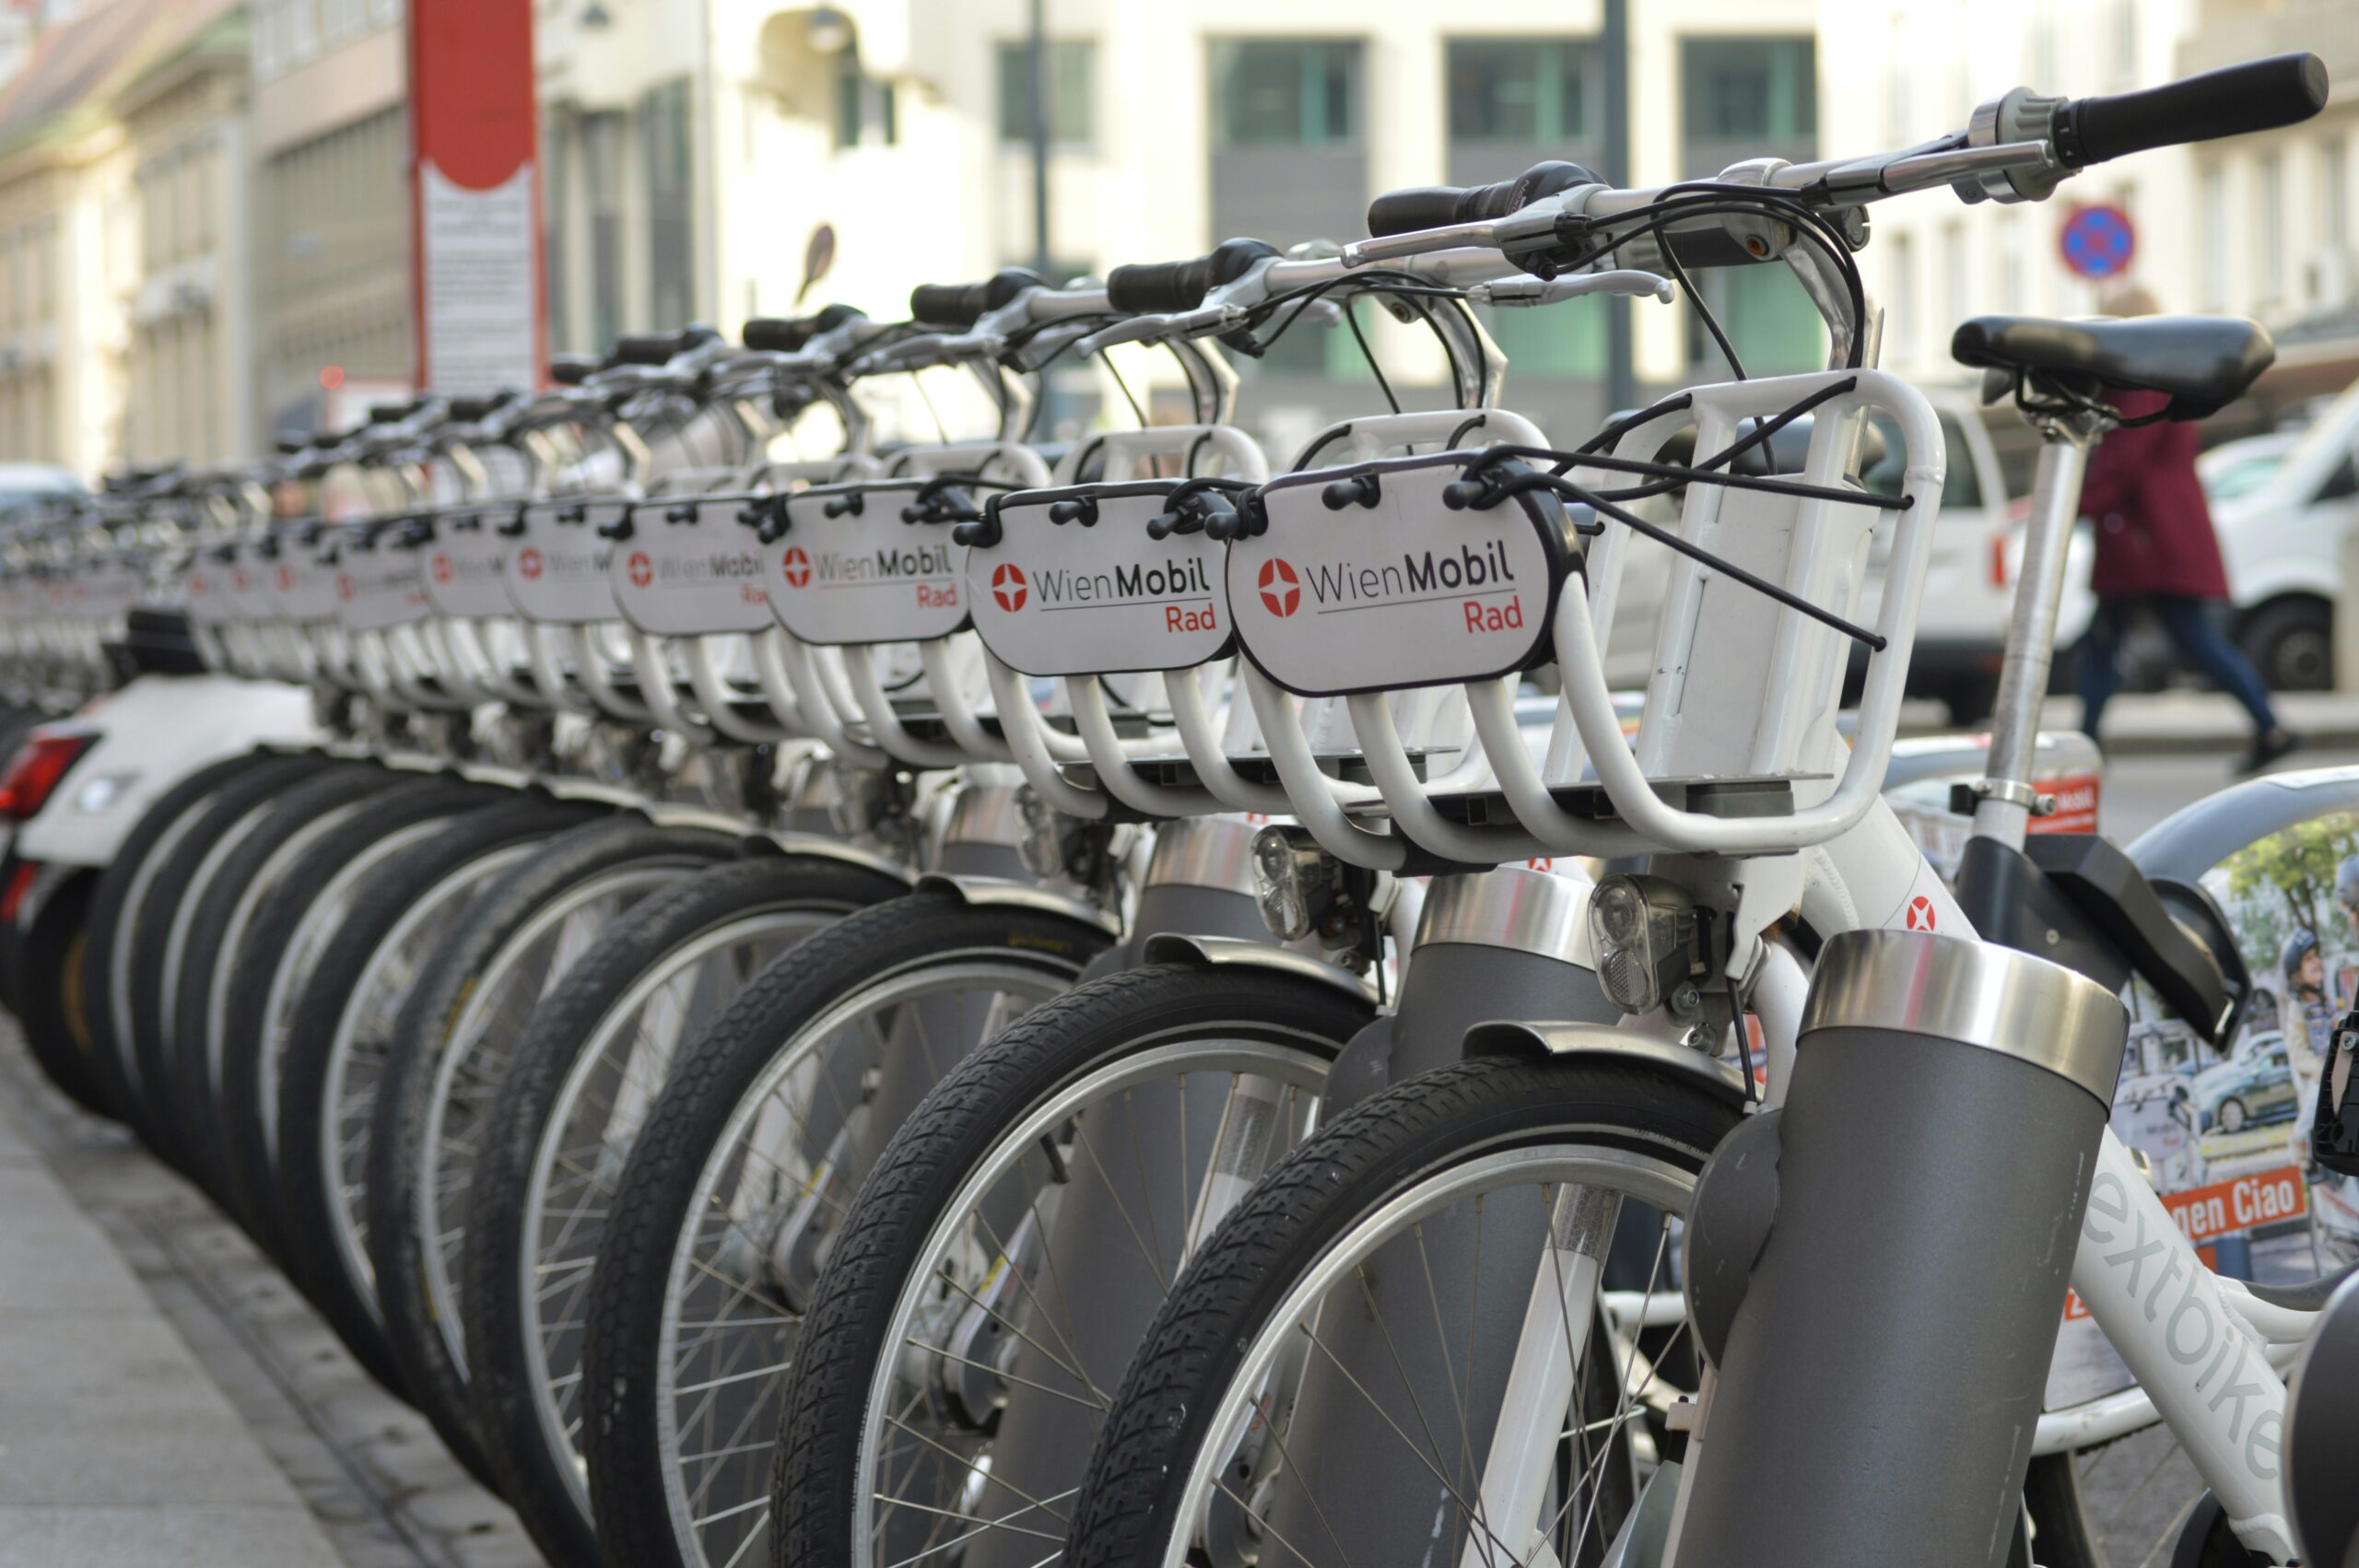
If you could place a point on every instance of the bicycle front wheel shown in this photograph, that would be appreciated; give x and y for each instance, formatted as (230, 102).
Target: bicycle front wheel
(1327, 1378)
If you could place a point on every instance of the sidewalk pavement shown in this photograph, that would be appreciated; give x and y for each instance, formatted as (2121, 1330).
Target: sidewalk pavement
(115, 1448)
(166, 1397)
(2185, 723)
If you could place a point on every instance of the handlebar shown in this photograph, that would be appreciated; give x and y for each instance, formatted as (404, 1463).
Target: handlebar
(789, 334)
(1160, 288)
(2259, 94)
(964, 304)
(571, 369)
(652, 348)
(1431, 207)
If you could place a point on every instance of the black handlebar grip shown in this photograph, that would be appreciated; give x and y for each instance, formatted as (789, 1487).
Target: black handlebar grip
(467, 410)
(1155, 288)
(1432, 206)
(779, 335)
(648, 348)
(386, 413)
(571, 369)
(963, 304)
(2259, 94)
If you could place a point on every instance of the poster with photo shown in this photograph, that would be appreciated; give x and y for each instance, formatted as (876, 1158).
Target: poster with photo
(2225, 1132)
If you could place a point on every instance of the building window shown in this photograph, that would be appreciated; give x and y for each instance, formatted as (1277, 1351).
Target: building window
(1519, 89)
(671, 283)
(1072, 103)
(1770, 322)
(1561, 342)
(1270, 92)
(866, 110)
(602, 160)
(1761, 92)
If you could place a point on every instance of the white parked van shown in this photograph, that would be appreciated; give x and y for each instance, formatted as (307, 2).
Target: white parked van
(2281, 536)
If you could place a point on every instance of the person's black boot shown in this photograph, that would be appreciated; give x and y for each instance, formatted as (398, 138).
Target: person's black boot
(2269, 746)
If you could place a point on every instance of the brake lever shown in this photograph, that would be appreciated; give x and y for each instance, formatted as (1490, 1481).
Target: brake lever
(1571, 286)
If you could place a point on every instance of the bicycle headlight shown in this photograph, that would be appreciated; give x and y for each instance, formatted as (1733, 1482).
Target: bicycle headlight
(1642, 933)
(1291, 883)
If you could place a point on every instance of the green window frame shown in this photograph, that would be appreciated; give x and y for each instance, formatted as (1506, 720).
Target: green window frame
(1517, 90)
(1287, 92)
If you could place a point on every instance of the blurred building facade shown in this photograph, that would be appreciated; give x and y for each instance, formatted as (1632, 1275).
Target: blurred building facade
(2259, 226)
(331, 208)
(692, 150)
(123, 302)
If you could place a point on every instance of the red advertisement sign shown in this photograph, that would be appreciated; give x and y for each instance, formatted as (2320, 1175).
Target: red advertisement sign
(2205, 1215)
(474, 200)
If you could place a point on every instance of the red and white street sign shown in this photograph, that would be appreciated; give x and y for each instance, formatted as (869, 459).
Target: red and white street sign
(475, 201)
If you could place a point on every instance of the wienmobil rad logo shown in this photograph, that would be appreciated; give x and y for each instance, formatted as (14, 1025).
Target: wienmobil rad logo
(1007, 586)
(925, 567)
(530, 562)
(1478, 575)
(443, 570)
(694, 571)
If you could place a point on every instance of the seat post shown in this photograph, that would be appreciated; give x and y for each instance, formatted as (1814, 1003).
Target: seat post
(2006, 798)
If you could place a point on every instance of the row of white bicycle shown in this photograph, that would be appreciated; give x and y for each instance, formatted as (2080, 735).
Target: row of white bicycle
(785, 1052)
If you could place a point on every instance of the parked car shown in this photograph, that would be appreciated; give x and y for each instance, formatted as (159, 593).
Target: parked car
(2256, 1086)
(2281, 535)
(2239, 467)
(26, 485)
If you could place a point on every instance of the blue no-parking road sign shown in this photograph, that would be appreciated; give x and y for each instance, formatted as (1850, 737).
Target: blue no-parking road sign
(2098, 241)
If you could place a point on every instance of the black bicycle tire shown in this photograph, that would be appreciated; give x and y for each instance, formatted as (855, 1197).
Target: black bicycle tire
(248, 1122)
(313, 1259)
(627, 1288)
(113, 905)
(174, 884)
(500, 1391)
(1388, 1142)
(929, 1162)
(196, 1110)
(396, 1240)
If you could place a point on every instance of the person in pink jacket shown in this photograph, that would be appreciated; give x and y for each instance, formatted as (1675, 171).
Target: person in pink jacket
(2156, 551)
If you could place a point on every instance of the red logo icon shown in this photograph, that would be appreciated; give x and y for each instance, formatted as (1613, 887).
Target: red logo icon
(238, 576)
(1280, 589)
(1007, 586)
(1921, 914)
(285, 578)
(642, 570)
(442, 572)
(797, 567)
(529, 562)
(343, 585)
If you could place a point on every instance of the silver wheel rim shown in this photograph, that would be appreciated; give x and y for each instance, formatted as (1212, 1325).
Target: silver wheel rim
(748, 942)
(233, 935)
(304, 944)
(886, 1408)
(990, 977)
(356, 1062)
(1645, 1178)
(467, 1075)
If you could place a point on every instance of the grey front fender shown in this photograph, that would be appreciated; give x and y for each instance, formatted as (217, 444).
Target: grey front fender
(1227, 952)
(1536, 1042)
(987, 891)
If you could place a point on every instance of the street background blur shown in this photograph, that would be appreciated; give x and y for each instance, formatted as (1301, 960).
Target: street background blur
(205, 228)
